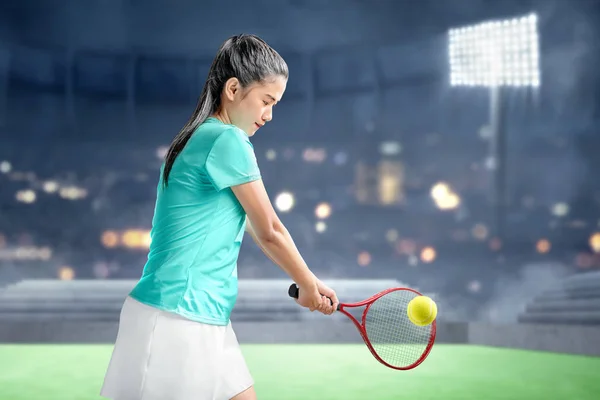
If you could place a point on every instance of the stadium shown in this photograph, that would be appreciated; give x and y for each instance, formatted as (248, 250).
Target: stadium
(448, 147)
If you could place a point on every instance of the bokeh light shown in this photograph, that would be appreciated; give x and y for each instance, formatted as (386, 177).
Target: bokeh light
(285, 201)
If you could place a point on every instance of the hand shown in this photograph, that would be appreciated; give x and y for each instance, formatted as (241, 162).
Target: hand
(330, 306)
(309, 297)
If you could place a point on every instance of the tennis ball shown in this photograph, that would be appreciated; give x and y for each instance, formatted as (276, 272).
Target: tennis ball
(422, 310)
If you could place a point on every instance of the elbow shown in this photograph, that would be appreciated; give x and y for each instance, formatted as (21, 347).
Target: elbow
(271, 233)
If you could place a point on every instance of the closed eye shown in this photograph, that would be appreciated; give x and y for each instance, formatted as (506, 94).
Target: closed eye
(271, 99)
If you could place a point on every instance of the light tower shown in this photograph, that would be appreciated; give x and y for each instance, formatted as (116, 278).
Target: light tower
(496, 55)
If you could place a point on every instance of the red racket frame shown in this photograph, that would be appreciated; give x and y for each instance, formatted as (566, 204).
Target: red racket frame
(362, 326)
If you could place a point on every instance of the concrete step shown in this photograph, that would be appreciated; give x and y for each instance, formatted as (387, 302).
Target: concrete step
(587, 280)
(562, 317)
(564, 305)
(568, 295)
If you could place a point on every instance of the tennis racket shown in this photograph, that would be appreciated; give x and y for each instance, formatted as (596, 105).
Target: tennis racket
(393, 340)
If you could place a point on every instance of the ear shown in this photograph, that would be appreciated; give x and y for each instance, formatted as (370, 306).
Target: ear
(231, 88)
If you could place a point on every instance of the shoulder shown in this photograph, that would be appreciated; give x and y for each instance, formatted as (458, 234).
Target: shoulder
(230, 133)
(212, 133)
(209, 136)
(230, 138)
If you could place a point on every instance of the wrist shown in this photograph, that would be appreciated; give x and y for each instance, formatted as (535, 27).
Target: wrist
(308, 283)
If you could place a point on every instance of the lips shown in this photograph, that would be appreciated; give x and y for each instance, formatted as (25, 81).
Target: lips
(257, 125)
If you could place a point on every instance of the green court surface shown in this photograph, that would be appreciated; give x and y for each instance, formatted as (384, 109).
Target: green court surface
(326, 372)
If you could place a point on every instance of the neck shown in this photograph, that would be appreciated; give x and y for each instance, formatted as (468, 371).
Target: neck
(222, 116)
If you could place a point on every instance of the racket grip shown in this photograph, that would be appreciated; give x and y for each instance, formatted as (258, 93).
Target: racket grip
(294, 292)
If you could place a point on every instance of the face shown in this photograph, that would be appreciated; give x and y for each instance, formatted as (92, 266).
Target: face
(251, 107)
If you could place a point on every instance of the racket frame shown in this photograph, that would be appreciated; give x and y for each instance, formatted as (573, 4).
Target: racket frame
(361, 326)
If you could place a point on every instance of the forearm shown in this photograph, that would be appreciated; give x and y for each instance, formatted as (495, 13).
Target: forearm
(282, 251)
(259, 244)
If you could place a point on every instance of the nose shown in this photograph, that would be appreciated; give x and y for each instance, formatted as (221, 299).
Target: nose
(267, 116)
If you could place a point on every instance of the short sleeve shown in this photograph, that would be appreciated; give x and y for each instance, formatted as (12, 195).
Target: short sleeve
(232, 161)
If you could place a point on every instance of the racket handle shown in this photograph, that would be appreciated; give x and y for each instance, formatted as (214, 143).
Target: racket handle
(294, 292)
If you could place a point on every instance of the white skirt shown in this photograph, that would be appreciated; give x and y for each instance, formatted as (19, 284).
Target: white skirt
(163, 356)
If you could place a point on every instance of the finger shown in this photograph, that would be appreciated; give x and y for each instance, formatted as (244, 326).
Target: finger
(326, 306)
(328, 292)
(331, 296)
(335, 304)
(331, 308)
(334, 298)
(317, 306)
(320, 305)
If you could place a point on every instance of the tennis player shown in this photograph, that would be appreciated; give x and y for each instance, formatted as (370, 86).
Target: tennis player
(175, 340)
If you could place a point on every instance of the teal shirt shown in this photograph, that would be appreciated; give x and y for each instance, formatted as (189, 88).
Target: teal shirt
(198, 227)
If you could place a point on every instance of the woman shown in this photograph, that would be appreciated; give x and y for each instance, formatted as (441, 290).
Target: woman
(175, 340)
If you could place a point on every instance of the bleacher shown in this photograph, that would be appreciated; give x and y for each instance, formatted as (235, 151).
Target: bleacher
(576, 301)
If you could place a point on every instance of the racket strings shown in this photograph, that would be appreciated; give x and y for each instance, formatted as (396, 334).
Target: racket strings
(395, 339)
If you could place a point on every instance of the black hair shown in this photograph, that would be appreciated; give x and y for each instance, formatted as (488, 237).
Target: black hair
(245, 57)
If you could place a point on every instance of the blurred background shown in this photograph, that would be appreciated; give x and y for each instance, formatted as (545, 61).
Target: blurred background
(379, 164)
(393, 159)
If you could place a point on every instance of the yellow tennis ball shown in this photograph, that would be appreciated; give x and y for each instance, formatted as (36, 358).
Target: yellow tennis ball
(422, 310)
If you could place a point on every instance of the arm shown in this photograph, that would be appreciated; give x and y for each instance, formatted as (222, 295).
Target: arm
(253, 235)
(260, 245)
(231, 163)
(270, 235)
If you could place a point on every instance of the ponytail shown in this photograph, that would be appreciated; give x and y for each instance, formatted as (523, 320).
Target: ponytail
(207, 105)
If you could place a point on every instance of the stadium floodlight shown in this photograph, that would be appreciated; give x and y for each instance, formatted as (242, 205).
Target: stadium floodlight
(495, 53)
